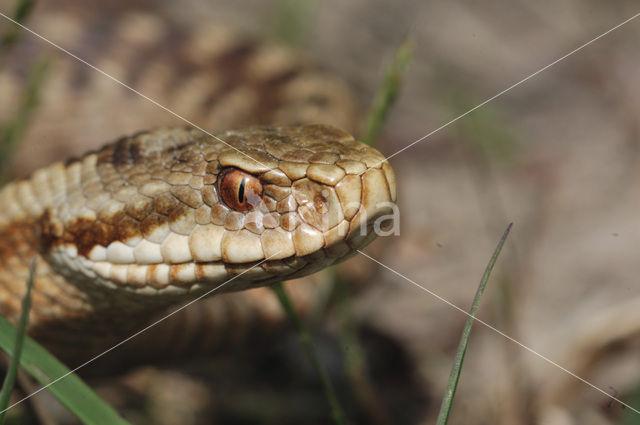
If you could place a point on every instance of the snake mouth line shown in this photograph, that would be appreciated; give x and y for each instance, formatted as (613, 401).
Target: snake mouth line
(193, 276)
(161, 217)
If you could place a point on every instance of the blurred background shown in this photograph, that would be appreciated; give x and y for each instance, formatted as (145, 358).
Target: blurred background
(557, 156)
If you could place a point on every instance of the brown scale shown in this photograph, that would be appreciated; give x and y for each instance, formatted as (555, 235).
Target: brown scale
(98, 316)
(79, 109)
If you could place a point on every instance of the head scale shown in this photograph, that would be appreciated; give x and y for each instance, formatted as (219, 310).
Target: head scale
(174, 210)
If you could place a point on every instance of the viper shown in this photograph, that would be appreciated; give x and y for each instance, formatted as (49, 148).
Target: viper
(157, 218)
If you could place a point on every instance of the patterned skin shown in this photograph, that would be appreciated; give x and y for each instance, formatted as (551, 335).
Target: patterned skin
(140, 225)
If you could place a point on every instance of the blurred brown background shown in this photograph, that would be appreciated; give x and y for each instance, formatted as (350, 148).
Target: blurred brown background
(558, 156)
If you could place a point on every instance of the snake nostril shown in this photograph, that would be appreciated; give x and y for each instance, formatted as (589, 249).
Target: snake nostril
(320, 202)
(319, 205)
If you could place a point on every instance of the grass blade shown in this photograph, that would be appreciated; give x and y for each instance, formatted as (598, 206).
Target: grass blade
(10, 379)
(291, 22)
(21, 11)
(12, 131)
(355, 359)
(45, 368)
(387, 93)
(454, 377)
(336, 410)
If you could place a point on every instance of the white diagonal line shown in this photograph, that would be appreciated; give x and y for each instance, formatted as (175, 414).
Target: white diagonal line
(57, 46)
(394, 154)
(514, 85)
(162, 319)
(531, 350)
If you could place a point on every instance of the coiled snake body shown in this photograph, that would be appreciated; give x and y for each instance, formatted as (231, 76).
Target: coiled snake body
(160, 217)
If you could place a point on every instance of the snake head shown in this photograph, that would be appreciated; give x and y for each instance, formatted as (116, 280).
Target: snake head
(317, 193)
(175, 210)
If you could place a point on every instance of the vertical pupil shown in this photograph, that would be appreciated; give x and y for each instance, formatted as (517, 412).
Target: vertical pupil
(241, 190)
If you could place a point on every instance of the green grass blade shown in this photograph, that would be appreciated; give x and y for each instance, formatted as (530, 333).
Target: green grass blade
(10, 379)
(628, 416)
(387, 93)
(454, 377)
(21, 11)
(12, 131)
(291, 23)
(336, 410)
(71, 391)
(355, 359)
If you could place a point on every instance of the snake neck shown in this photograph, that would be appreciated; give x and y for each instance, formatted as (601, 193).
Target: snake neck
(61, 308)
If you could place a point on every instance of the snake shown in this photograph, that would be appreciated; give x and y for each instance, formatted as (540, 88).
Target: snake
(160, 217)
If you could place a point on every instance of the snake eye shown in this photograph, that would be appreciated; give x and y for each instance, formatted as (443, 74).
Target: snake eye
(239, 190)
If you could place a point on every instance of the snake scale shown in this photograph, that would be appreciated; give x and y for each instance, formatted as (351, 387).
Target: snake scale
(160, 217)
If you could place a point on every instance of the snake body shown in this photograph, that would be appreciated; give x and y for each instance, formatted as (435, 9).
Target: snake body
(141, 224)
(125, 232)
